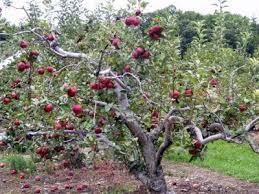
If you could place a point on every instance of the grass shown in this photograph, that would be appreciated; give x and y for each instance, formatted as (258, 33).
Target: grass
(227, 158)
(19, 162)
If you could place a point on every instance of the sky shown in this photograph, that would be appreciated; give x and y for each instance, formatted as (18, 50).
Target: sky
(248, 8)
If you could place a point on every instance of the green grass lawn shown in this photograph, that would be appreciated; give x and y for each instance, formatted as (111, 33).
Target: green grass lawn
(230, 159)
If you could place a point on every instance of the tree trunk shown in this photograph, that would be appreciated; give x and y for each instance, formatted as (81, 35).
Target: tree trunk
(155, 183)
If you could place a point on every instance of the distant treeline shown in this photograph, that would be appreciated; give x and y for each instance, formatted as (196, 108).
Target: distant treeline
(235, 26)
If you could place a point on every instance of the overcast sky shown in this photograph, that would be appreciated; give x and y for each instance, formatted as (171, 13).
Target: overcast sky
(248, 8)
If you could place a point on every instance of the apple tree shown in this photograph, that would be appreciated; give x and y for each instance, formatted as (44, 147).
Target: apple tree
(122, 82)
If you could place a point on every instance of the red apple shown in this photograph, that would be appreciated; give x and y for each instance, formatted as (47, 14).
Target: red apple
(41, 70)
(26, 186)
(48, 107)
(132, 21)
(27, 65)
(50, 69)
(242, 108)
(37, 178)
(15, 96)
(77, 108)
(116, 42)
(2, 165)
(94, 86)
(155, 32)
(34, 54)
(6, 100)
(146, 55)
(21, 66)
(98, 130)
(22, 176)
(17, 122)
(140, 50)
(80, 187)
(72, 91)
(127, 69)
(13, 172)
(174, 94)
(58, 125)
(68, 186)
(214, 82)
(24, 44)
(54, 188)
(188, 92)
(50, 37)
(37, 190)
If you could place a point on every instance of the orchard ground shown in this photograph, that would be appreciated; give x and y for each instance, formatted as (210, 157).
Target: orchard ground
(223, 159)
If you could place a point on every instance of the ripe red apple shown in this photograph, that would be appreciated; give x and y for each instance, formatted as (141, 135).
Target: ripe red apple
(54, 188)
(15, 96)
(24, 44)
(27, 65)
(174, 94)
(81, 187)
(2, 165)
(26, 186)
(115, 41)
(127, 69)
(58, 125)
(13, 172)
(41, 70)
(37, 190)
(68, 186)
(50, 37)
(94, 86)
(22, 176)
(98, 130)
(72, 91)
(48, 107)
(140, 50)
(6, 100)
(242, 108)
(17, 122)
(146, 55)
(37, 178)
(34, 54)
(42, 151)
(132, 21)
(50, 69)
(21, 66)
(77, 108)
(135, 55)
(188, 92)
(155, 32)
(214, 82)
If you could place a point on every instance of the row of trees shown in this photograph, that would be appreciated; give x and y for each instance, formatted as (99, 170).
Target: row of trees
(128, 80)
